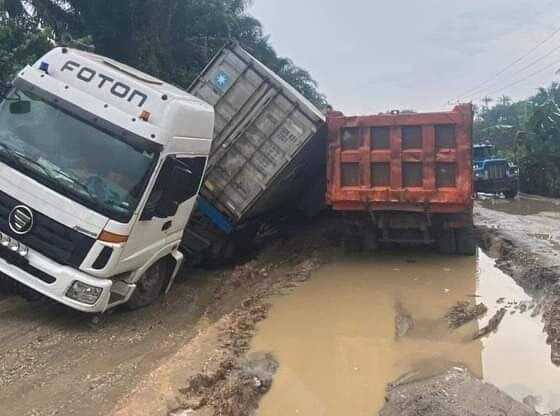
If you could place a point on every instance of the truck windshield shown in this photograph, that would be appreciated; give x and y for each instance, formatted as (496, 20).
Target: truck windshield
(481, 153)
(65, 153)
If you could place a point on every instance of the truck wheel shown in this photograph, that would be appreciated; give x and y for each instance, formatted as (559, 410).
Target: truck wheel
(466, 241)
(446, 241)
(352, 243)
(369, 241)
(512, 193)
(149, 287)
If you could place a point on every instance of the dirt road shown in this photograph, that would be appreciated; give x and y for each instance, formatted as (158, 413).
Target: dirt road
(54, 361)
(187, 351)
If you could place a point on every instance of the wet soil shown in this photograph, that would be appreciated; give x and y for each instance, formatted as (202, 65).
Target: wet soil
(455, 393)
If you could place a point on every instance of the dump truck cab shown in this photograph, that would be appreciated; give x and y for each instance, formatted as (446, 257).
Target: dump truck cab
(100, 167)
(493, 174)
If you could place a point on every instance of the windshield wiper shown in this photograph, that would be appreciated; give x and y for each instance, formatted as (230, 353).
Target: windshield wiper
(77, 182)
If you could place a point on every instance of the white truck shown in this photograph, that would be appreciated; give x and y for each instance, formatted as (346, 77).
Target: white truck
(100, 168)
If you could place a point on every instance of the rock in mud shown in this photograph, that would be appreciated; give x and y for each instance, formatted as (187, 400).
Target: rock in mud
(492, 324)
(403, 321)
(454, 393)
(464, 312)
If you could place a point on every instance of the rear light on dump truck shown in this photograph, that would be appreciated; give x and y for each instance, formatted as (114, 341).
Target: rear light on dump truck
(84, 293)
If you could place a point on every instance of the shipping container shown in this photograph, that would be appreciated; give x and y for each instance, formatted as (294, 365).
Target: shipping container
(268, 150)
(403, 177)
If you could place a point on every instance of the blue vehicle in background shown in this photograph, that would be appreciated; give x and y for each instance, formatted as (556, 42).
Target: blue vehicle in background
(493, 174)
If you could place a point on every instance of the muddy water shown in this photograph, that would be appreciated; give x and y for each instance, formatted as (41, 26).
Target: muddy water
(362, 322)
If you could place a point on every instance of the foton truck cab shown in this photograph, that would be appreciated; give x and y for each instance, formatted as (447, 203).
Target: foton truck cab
(100, 166)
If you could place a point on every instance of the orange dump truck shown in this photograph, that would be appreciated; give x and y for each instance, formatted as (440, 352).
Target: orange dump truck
(403, 178)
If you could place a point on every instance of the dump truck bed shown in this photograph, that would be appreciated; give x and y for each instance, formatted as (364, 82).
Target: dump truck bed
(401, 162)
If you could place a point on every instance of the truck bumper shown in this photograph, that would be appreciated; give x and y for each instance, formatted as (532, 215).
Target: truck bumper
(495, 186)
(53, 281)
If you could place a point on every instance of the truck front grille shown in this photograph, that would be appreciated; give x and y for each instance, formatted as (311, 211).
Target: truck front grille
(50, 238)
(496, 171)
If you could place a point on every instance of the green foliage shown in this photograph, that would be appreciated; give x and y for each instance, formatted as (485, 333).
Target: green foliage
(527, 132)
(21, 43)
(171, 39)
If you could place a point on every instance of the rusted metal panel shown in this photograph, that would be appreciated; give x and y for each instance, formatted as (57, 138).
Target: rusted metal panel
(403, 162)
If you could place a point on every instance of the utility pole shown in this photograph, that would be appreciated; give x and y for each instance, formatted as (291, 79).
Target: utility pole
(505, 100)
(486, 100)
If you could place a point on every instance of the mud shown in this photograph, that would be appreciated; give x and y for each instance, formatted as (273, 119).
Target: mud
(464, 312)
(455, 393)
(213, 374)
(492, 324)
(534, 268)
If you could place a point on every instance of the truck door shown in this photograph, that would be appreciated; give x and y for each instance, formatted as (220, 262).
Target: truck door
(167, 210)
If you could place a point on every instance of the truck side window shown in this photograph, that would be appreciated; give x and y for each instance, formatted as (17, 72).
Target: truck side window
(195, 165)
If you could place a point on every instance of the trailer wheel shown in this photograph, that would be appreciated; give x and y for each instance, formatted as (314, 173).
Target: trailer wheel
(466, 241)
(446, 241)
(149, 287)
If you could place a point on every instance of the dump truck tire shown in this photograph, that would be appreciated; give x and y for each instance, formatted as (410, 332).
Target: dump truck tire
(369, 241)
(446, 241)
(149, 287)
(466, 241)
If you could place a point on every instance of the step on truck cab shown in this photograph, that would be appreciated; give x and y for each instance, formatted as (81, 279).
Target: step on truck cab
(100, 167)
(403, 178)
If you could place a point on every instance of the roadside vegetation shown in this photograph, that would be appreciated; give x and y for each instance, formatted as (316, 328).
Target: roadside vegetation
(170, 39)
(527, 132)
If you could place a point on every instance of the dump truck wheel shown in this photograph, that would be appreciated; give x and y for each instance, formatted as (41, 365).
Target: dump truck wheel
(369, 241)
(511, 194)
(149, 287)
(352, 243)
(466, 241)
(446, 241)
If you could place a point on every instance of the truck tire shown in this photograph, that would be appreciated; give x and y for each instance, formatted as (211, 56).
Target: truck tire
(369, 241)
(352, 243)
(446, 241)
(149, 287)
(511, 194)
(466, 241)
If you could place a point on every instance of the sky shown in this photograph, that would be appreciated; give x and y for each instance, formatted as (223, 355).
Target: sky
(377, 55)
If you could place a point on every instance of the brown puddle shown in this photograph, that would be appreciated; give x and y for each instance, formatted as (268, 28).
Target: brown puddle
(337, 336)
(520, 206)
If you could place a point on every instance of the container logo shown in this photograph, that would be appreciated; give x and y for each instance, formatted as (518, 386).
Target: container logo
(221, 80)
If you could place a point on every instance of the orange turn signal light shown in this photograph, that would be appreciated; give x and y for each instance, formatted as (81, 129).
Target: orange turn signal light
(108, 237)
(145, 115)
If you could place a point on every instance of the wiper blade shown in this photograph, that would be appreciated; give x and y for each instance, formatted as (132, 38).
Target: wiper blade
(76, 181)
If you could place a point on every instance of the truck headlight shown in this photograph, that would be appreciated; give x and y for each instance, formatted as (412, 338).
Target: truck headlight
(481, 174)
(84, 293)
(5, 240)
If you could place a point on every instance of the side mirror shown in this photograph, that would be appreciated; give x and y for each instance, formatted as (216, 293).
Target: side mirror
(20, 107)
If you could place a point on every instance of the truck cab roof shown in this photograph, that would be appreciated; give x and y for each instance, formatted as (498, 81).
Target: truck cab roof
(123, 96)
